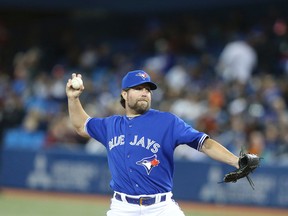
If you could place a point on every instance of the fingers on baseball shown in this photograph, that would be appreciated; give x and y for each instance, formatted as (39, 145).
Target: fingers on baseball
(69, 83)
(76, 75)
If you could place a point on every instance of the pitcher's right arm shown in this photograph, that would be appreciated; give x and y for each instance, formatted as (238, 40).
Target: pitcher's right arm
(77, 114)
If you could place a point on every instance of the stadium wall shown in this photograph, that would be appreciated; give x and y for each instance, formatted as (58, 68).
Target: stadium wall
(69, 171)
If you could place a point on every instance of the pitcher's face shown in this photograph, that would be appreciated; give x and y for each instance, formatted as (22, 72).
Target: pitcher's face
(138, 99)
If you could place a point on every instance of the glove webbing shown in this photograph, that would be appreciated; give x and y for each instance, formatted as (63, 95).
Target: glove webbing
(249, 180)
(242, 153)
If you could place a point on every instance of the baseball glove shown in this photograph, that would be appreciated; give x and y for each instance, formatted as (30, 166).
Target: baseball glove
(247, 164)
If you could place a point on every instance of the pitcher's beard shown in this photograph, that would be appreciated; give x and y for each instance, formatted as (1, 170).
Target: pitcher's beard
(140, 107)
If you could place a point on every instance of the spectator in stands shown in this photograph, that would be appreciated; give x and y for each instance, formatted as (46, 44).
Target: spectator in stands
(237, 60)
(238, 104)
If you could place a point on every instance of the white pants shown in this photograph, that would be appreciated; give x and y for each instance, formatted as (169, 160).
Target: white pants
(165, 208)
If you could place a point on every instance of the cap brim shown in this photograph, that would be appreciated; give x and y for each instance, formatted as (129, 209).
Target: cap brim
(152, 85)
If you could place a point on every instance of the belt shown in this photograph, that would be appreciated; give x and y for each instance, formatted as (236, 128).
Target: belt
(142, 201)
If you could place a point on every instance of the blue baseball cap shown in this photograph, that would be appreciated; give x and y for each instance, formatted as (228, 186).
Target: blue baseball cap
(135, 78)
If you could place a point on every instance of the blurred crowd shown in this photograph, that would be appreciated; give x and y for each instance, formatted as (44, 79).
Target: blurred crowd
(226, 76)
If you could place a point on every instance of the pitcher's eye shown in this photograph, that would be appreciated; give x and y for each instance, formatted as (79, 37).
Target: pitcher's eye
(139, 88)
(148, 89)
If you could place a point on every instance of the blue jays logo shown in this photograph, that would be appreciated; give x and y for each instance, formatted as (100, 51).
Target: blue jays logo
(149, 163)
(142, 75)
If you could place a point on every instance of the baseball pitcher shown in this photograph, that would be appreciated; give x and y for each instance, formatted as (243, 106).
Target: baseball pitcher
(140, 147)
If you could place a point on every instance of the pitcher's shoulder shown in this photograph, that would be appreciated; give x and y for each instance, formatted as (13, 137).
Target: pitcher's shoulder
(163, 114)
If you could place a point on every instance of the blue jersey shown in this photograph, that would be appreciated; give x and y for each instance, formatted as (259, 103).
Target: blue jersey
(140, 150)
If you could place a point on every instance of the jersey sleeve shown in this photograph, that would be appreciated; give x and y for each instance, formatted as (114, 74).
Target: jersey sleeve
(96, 128)
(185, 134)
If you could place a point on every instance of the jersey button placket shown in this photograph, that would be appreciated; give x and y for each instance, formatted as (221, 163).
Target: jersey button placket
(128, 128)
(129, 134)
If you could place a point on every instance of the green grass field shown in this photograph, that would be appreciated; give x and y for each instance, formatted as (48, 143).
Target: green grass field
(43, 207)
(47, 207)
(28, 204)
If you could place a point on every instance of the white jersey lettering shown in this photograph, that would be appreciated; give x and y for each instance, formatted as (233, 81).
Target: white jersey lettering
(155, 148)
(116, 141)
(141, 142)
(149, 144)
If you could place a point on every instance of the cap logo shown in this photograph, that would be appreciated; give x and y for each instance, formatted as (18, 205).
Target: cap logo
(142, 75)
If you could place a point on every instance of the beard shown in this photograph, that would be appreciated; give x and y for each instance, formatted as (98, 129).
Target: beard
(140, 106)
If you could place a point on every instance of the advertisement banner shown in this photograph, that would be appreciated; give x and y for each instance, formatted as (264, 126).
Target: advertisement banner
(67, 171)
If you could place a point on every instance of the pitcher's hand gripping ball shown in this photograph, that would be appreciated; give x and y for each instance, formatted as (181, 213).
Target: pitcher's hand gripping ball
(247, 164)
(76, 83)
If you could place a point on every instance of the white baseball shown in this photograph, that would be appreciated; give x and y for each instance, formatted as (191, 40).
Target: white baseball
(76, 83)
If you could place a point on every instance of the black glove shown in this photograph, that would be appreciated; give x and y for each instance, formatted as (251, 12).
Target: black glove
(247, 164)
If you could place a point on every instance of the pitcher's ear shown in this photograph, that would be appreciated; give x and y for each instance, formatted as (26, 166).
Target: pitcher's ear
(124, 94)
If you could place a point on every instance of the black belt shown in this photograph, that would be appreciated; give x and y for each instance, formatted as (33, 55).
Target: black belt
(145, 201)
